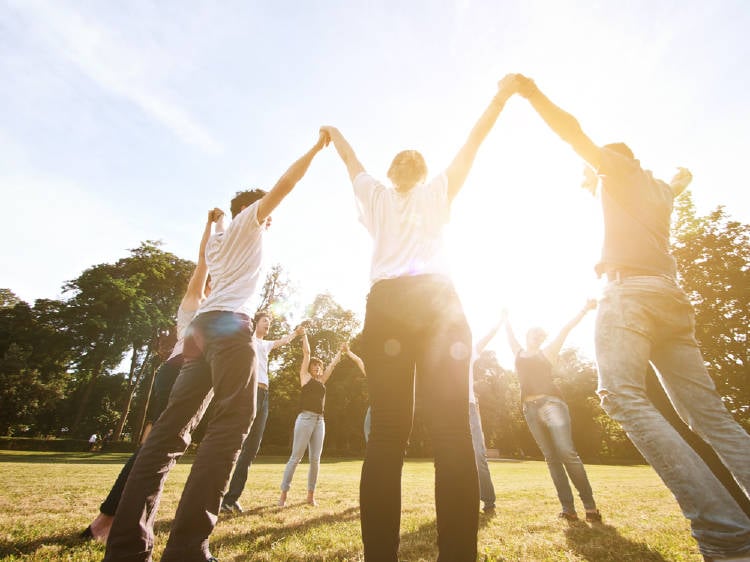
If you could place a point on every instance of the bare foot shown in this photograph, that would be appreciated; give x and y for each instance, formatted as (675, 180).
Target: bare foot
(282, 499)
(311, 499)
(101, 526)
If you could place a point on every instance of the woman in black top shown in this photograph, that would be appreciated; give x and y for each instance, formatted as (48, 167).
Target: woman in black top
(310, 428)
(547, 414)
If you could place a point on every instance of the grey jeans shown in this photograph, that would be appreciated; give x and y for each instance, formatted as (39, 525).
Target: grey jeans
(649, 319)
(486, 488)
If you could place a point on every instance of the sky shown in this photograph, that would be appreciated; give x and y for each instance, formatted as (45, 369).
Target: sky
(124, 122)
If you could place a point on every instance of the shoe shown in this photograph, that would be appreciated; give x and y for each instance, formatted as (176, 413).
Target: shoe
(87, 533)
(569, 516)
(227, 508)
(594, 516)
(489, 510)
(236, 506)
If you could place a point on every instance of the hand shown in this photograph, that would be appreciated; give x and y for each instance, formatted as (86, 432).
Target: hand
(681, 180)
(508, 85)
(324, 137)
(215, 214)
(590, 305)
(526, 86)
(345, 347)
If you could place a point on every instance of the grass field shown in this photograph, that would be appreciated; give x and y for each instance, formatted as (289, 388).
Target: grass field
(46, 499)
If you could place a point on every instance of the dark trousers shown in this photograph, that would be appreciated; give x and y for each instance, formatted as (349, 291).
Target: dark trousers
(249, 448)
(163, 383)
(219, 363)
(417, 324)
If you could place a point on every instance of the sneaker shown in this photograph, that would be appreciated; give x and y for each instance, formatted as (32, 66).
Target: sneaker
(594, 516)
(489, 509)
(231, 507)
(226, 509)
(569, 516)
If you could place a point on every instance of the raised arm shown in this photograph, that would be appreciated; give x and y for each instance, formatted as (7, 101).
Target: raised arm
(354, 357)
(552, 350)
(329, 370)
(561, 122)
(462, 162)
(290, 178)
(304, 370)
(680, 181)
(194, 293)
(345, 151)
(515, 347)
(481, 344)
(298, 331)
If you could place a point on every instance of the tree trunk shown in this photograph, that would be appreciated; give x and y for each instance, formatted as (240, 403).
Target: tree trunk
(148, 386)
(132, 386)
(85, 399)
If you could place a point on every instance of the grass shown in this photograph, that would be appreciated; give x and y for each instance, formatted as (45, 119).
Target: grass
(46, 499)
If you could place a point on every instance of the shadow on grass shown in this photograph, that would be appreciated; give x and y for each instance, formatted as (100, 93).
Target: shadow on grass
(23, 548)
(74, 458)
(603, 543)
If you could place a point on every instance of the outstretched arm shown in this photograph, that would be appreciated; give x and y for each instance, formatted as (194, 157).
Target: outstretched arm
(194, 292)
(462, 162)
(481, 344)
(561, 122)
(354, 357)
(680, 181)
(345, 150)
(329, 370)
(515, 347)
(290, 178)
(304, 370)
(299, 330)
(552, 350)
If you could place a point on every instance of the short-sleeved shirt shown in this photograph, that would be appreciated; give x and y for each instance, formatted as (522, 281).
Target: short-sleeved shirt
(637, 209)
(235, 258)
(407, 228)
(262, 349)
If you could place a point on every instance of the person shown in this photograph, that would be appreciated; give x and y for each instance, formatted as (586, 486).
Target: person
(547, 414)
(93, 441)
(414, 318)
(197, 290)
(486, 487)
(250, 447)
(645, 316)
(310, 427)
(219, 362)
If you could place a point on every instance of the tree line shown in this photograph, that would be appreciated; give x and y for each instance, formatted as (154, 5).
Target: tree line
(61, 374)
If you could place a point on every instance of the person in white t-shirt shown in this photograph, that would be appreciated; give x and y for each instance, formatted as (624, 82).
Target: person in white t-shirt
(415, 319)
(250, 447)
(220, 362)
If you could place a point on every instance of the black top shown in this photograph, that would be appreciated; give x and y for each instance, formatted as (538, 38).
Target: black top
(637, 209)
(535, 376)
(313, 397)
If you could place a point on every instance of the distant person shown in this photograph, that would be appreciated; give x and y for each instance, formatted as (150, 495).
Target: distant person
(219, 362)
(414, 318)
(197, 290)
(547, 414)
(645, 317)
(310, 427)
(251, 445)
(93, 440)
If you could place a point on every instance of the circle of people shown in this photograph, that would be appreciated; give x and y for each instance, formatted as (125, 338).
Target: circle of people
(415, 327)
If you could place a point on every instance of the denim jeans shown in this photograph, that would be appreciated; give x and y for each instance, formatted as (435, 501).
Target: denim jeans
(249, 448)
(309, 432)
(548, 419)
(417, 324)
(219, 363)
(649, 318)
(367, 425)
(486, 489)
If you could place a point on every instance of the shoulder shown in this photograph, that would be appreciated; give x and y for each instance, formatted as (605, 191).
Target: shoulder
(364, 184)
(246, 220)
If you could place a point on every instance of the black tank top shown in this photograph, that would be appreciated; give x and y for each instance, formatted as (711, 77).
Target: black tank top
(313, 397)
(535, 376)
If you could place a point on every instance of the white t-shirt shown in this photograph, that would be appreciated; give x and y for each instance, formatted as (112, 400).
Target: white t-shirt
(234, 259)
(184, 317)
(407, 228)
(262, 349)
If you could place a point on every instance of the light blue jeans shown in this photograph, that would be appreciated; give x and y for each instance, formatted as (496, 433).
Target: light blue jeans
(649, 318)
(486, 489)
(548, 419)
(309, 432)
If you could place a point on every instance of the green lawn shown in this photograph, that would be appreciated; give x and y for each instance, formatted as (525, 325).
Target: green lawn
(46, 499)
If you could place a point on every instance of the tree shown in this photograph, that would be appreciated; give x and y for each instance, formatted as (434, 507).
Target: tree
(713, 262)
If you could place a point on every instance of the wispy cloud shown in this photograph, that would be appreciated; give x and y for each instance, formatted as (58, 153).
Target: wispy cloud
(123, 69)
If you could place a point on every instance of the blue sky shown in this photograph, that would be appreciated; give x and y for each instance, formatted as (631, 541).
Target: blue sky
(121, 122)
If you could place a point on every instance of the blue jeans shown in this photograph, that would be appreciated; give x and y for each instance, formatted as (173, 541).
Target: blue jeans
(486, 489)
(309, 432)
(249, 448)
(649, 319)
(549, 422)
(367, 426)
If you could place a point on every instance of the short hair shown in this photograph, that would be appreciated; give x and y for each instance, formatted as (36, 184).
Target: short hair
(245, 199)
(261, 314)
(620, 148)
(407, 169)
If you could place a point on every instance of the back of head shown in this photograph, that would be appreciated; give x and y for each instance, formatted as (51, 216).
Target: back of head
(245, 199)
(620, 148)
(407, 170)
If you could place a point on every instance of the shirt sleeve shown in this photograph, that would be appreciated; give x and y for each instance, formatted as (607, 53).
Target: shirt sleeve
(366, 190)
(438, 197)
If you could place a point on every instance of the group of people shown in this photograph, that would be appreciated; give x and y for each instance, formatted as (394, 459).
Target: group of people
(415, 327)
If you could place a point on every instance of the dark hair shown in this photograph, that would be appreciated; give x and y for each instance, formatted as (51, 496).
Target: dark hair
(317, 361)
(407, 169)
(245, 199)
(260, 314)
(620, 148)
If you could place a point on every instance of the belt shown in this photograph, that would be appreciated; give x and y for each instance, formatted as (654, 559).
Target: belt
(263, 385)
(625, 272)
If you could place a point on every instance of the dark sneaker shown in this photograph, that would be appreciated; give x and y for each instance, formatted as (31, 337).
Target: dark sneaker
(594, 516)
(569, 516)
